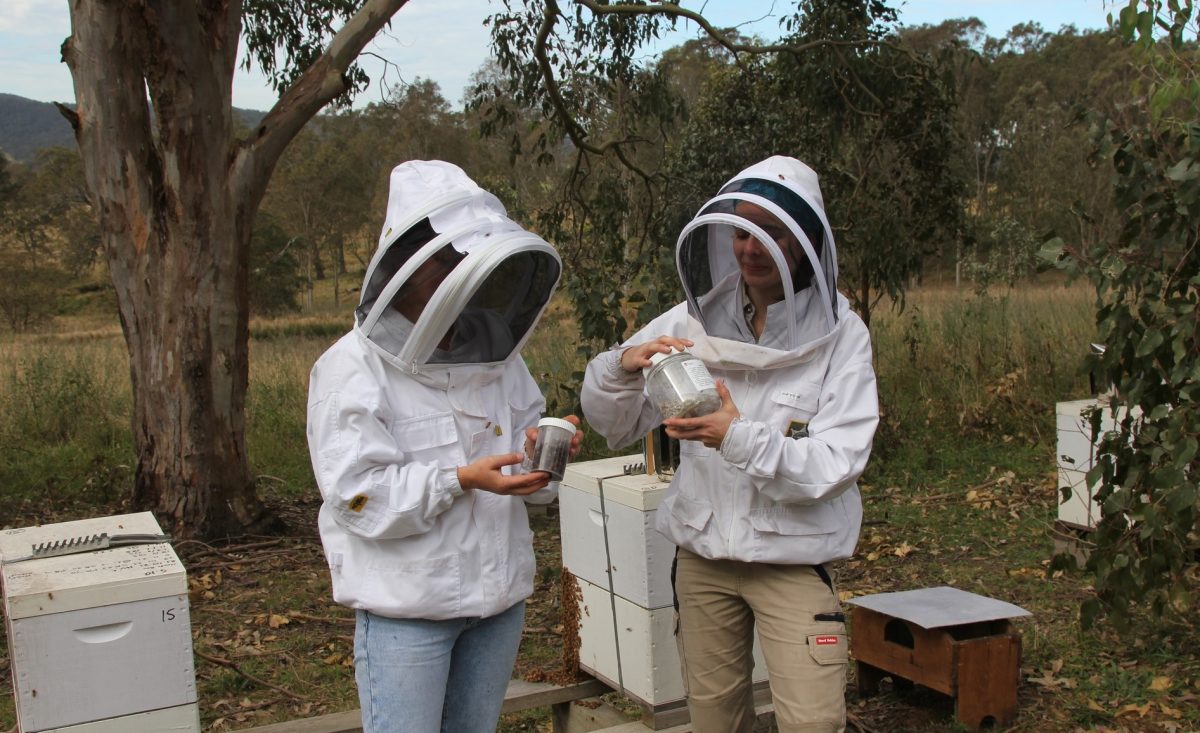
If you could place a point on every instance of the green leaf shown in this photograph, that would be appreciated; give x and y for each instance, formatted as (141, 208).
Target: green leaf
(1185, 170)
(1150, 341)
(1181, 599)
(1052, 250)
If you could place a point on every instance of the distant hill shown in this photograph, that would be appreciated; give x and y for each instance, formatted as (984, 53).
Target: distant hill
(27, 126)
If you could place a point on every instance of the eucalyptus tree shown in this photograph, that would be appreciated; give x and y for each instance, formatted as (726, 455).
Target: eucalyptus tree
(876, 121)
(7, 186)
(177, 192)
(177, 189)
(757, 98)
(321, 193)
(1043, 176)
(1146, 272)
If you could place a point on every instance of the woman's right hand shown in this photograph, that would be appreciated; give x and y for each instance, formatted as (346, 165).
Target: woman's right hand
(486, 474)
(637, 357)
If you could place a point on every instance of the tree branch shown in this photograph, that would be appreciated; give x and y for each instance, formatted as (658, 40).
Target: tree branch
(319, 85)
(233, 665)
(575, 130)
(713, 32)
(70, 114)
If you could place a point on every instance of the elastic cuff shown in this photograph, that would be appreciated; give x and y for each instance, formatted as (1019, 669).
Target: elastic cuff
(449, 481)
(733, 449)
(620, 373)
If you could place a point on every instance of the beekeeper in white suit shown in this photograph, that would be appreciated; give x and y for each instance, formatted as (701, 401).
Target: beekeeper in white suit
(765, 496)
(418, 421)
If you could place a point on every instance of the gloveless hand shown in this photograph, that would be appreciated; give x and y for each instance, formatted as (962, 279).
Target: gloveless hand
(486, 474)
(709, 429)
(637, 357)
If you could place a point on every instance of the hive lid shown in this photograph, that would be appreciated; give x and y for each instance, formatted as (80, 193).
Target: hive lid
(934, 608)
(1074, 408)
(640, 491)
(88, 579)
(624, 481)
(586, 475)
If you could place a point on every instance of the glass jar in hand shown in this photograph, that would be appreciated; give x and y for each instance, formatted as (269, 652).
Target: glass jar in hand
(679, 385)
(553, 447)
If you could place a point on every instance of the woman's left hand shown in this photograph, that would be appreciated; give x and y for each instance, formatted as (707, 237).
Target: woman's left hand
(709, 429)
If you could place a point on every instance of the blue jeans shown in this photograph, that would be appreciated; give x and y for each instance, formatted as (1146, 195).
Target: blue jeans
(420, 676)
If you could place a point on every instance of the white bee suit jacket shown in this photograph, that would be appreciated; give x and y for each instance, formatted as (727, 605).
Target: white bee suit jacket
(781, 488)
(391, 416)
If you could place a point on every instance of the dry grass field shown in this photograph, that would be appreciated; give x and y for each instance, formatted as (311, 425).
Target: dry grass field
(961, 491)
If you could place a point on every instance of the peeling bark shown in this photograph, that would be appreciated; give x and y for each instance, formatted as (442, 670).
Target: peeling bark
(177, 195)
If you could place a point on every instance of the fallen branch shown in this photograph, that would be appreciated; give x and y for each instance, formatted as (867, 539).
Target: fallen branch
(853, 721)
(250, 560)
(320, 619)
(239, 708)
(231, 665)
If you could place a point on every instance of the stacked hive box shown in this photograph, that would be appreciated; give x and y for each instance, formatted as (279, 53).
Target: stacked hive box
(100, 641)
(623, 567)
(1076, 455)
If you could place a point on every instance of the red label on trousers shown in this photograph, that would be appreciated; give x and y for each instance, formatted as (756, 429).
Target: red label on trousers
(825, 640)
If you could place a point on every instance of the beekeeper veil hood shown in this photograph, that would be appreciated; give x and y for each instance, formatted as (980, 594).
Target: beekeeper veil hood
(454, 280)
(789, 223)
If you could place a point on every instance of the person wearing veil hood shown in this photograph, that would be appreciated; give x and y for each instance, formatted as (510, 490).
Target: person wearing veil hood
(765, 496)
(418, 420)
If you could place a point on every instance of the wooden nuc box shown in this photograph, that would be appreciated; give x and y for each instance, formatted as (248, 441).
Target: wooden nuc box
(951, 641)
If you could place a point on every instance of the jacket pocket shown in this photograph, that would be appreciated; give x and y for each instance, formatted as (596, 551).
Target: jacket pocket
(809, 519)
(420, 588)
(691, 513)
(804, 397)
(796, 405)
(690, 518)
(429, 438)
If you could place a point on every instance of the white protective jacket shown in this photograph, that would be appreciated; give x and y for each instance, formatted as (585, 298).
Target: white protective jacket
(782, 486)
(388, 426)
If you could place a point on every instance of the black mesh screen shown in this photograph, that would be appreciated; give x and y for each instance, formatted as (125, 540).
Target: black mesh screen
(500, 311)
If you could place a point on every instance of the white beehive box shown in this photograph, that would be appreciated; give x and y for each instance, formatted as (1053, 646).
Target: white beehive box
(100, 641)
(637, 554)
(1075, 456)
(636, 652)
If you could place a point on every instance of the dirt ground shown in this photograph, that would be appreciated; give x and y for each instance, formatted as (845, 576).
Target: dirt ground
(271, 646)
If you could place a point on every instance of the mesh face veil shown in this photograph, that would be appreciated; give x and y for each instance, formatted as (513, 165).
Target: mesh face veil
(777, 205)
(454, 280)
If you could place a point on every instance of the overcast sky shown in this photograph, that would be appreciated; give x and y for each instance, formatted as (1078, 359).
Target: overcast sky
(446, 41)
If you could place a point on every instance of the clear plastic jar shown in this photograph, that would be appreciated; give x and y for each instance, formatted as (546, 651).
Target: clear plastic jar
(553, 447)
(679, 385)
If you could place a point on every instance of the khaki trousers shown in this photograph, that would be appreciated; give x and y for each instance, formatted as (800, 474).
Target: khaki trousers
(800, 631)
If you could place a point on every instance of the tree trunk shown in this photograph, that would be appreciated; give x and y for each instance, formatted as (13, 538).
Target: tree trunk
(864, 296)
(177, 194)
(177, 243)
(339, 267)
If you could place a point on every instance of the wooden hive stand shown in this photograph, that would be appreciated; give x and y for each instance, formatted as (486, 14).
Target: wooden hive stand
(951, 641)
